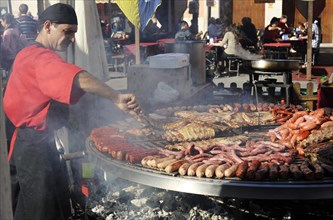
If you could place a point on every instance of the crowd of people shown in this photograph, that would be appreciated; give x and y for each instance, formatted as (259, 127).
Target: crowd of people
(16, 34)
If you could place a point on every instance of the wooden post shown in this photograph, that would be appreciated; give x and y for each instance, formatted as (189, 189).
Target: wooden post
(5, 187)
(309, 46)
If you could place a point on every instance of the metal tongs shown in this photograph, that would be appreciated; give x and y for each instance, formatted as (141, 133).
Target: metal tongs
(153, 124)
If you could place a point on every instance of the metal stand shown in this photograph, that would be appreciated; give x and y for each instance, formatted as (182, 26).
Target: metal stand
(287, 83)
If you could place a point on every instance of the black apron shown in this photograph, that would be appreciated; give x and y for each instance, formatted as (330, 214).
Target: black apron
(39, 178)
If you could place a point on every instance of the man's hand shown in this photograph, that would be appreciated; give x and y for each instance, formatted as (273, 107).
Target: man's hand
(127, 102)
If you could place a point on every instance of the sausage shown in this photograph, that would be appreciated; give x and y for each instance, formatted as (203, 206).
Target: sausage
(121, 154)
(327, 124)
(300, 150)
(146, 159)
(136, 158)
(140, 153)
(219, 172)
(318, 112)
(241, 169)
(155, 161)
(259, 107)
(273, 171)
(231, 171)
(262, 172)
(299, 121)
(162, 165)
(114, 149)
(245, 107)
(308, 126)
(252, 107)
(302, 135)
(295, 172)
(192, 169)
(200, 171)
(172, 167)
(183, 168)
(210, 170)
(307, 172)
(283, 171)
(250, 173)
(318, 171)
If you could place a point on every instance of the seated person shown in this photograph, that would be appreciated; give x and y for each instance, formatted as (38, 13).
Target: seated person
(185, 34)
(214, 28)
(282, 23)
(272, 31)
(233, 47)
(249, 33)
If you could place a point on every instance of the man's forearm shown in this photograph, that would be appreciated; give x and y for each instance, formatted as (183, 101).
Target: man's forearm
(91, 84)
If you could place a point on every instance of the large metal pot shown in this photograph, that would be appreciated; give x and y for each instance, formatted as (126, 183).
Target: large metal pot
(196, 50)
(273, 65)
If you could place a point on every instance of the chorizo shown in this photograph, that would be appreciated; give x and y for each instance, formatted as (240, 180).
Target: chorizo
(241, 169)
(273, 171)
(250, 173)
(262, 172)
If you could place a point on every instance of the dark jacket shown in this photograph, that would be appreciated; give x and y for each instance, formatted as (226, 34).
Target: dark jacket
(27, 26)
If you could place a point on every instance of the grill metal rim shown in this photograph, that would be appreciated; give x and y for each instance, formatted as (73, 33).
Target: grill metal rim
(284, 190)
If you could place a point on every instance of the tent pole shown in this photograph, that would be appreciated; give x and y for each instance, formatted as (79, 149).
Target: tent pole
(309, 46)
(9, 4)
(137, 46)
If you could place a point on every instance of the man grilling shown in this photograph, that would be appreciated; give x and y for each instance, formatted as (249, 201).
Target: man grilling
(41, 78)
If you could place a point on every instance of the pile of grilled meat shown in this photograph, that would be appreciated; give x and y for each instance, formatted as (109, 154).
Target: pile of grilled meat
(204, 141)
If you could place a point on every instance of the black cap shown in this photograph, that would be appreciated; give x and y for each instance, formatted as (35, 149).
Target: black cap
(59, 13)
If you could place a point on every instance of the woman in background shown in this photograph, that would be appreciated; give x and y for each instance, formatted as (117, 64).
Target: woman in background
(12, 43)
